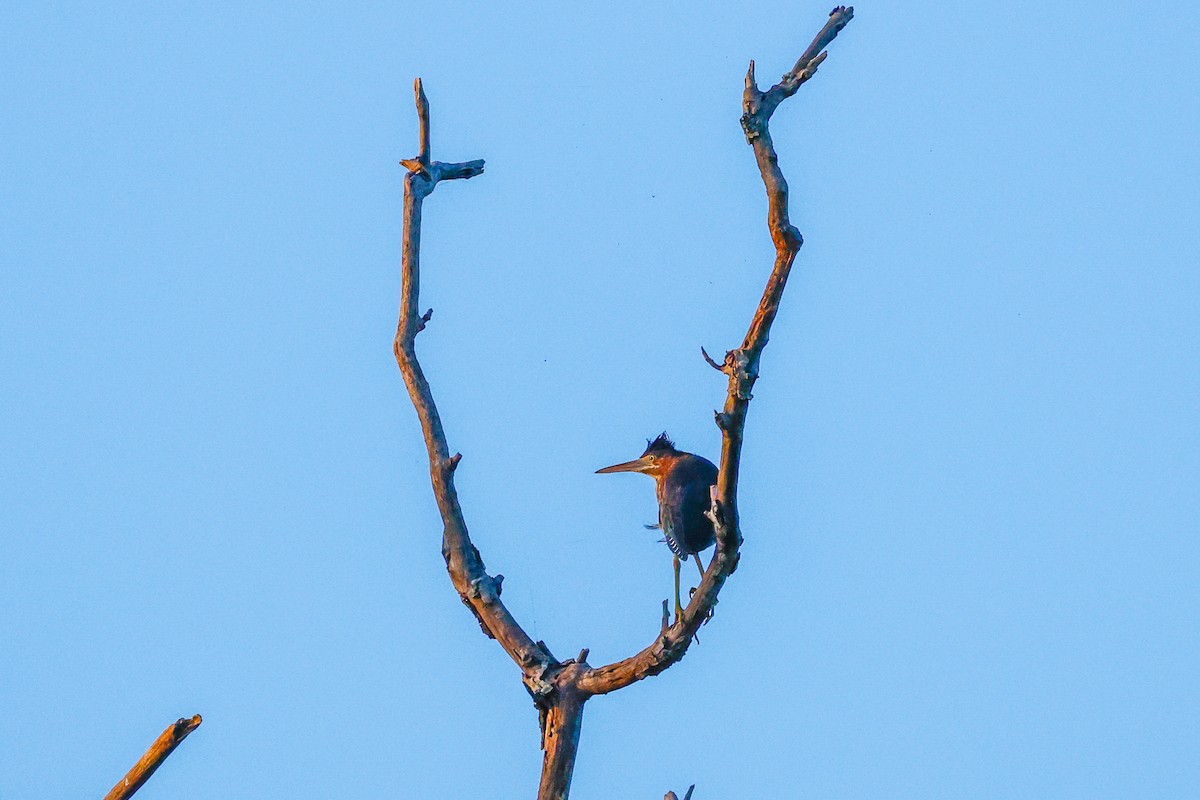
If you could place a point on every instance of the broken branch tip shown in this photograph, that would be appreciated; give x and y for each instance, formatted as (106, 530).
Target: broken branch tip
(184, 726)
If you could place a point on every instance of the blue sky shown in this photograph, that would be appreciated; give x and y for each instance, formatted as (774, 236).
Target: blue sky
(969, 493)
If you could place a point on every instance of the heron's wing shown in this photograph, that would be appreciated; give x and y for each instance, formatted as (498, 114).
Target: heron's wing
(671, 523)
(680, 513)
(683, 499)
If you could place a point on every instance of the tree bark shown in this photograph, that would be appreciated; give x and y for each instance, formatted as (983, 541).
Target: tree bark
(560, 741)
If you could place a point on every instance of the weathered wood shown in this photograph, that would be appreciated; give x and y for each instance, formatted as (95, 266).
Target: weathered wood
(478, 590)
(559, 704)
(153, 758)
(560, 689)
(560, 734)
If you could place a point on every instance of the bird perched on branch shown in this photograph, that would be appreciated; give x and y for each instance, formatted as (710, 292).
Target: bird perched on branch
(684, 482)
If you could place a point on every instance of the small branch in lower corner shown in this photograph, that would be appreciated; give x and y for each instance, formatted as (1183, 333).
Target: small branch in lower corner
(154, 757)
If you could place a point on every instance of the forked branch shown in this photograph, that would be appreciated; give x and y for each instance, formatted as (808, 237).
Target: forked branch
(153, 758)
(560, 689)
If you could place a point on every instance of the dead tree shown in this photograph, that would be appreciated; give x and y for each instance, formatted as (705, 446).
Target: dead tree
(561, 688)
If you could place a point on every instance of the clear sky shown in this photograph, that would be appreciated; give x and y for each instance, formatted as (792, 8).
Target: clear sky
(969, 496)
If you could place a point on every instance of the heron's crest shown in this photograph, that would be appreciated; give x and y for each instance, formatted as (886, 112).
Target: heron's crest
(660, 446)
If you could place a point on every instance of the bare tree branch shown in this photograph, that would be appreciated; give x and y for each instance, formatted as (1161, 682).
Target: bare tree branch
(741, 366)
(478, 590)
(154, 757)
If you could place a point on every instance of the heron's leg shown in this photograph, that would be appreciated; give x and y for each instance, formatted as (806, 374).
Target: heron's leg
(712, 610)
(678, 605)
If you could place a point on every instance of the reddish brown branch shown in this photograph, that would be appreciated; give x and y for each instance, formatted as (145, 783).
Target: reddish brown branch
(741, 366)
(153, 758)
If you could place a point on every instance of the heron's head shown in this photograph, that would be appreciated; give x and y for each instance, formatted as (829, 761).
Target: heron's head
(660, 454)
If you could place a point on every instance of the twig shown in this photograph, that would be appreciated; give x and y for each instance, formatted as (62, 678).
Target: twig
(711, 363)
(154, 757)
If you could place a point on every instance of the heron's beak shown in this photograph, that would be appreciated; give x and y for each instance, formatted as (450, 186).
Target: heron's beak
(637, 465)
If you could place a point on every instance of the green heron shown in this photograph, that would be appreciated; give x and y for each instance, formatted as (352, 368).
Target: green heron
(684, 483)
